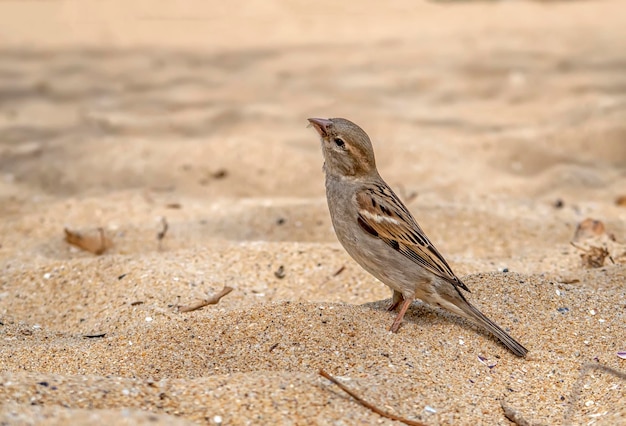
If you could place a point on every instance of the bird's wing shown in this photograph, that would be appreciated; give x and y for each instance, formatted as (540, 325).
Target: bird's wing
(383, 215)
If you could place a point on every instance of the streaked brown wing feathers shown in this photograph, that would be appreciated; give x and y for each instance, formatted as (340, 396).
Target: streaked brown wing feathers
(384, 216)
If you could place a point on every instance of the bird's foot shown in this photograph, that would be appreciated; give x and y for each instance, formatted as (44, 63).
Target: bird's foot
(396, 323)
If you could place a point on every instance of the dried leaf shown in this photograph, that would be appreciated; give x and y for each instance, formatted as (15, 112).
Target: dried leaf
(219, 174)
(280, 272)
(94, 242)
(589, 228)
(593, 257)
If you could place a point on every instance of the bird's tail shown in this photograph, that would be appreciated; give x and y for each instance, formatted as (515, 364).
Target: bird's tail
(478, 317)
(450, 298)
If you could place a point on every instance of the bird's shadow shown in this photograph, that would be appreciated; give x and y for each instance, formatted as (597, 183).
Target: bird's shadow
(419, 311)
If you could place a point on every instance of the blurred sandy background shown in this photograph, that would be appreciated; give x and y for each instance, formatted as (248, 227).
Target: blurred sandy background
(501, 124)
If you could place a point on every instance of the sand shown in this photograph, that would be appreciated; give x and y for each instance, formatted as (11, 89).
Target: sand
(501, 124)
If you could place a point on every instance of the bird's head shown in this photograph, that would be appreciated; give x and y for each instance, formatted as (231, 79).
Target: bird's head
(347, 149)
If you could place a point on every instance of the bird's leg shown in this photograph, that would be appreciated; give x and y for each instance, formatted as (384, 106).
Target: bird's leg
(395, 301)
(396, 323)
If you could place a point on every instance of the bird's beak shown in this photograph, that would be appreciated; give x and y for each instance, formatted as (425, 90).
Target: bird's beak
(321, 125)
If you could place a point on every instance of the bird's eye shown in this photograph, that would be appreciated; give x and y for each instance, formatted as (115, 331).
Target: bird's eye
(340, 143)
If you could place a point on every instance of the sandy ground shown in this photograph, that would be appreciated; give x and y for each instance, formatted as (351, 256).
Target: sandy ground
(502, 125)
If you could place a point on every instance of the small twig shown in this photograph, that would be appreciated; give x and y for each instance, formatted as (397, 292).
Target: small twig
(578, 247)
(367, 404)
(95, 336)
(163, 231)
(339, 271)
(213, 300)
(335, 274)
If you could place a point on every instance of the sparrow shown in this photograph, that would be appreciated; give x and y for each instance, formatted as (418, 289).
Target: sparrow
(381, 235)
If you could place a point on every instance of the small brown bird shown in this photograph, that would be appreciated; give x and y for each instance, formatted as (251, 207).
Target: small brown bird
(380, 233)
